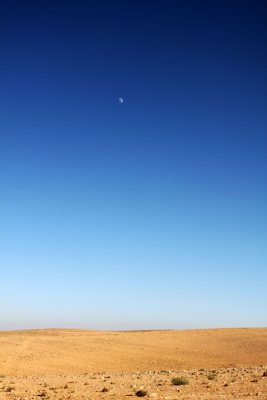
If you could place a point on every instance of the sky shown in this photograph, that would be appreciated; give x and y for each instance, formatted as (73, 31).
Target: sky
(149, 213)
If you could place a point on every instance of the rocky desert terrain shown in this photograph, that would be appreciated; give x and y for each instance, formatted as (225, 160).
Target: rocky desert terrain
(76, 364)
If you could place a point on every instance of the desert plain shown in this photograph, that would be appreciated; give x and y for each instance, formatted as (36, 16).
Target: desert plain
(79, 364)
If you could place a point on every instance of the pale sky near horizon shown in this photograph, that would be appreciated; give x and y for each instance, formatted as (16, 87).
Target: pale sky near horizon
(144, 214)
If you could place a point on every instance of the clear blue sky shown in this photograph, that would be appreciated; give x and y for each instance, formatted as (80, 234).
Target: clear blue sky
(146, 214)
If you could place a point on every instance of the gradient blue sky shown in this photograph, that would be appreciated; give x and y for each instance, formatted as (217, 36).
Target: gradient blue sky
(146, 214)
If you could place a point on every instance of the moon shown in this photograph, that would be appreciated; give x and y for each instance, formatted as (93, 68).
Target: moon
(121, 100)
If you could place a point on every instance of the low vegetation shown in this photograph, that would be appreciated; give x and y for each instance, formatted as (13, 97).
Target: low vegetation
(180, 381)
(211, 377)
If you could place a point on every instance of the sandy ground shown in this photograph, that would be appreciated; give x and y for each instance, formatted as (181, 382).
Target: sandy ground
(74, 364)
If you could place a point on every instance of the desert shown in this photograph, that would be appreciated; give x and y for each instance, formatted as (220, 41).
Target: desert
(185, 364)
(133, 207)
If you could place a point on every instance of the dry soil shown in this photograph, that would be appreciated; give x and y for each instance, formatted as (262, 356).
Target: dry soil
(75, 364)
